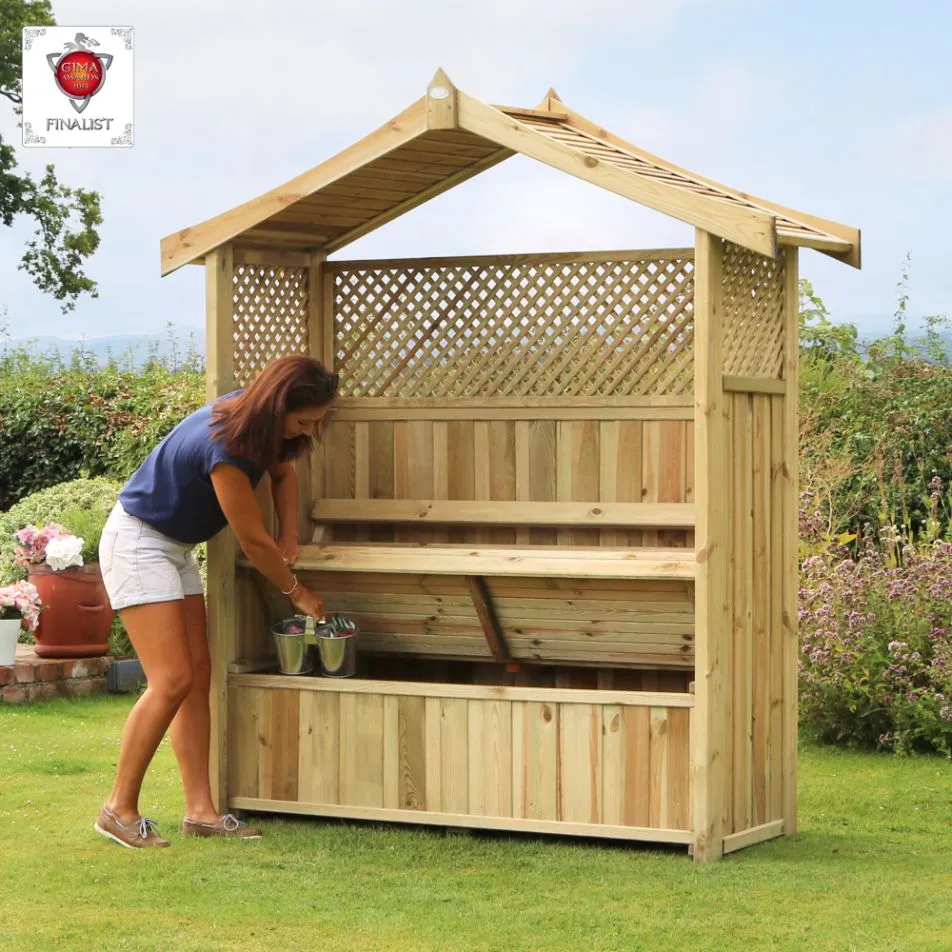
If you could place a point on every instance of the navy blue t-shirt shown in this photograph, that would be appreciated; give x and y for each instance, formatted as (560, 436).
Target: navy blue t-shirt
(172, 490)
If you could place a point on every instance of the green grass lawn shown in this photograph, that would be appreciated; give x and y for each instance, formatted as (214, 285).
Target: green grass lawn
(870, 870)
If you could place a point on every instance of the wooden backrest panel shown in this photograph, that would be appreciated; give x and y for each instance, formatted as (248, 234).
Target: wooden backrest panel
(374, 453)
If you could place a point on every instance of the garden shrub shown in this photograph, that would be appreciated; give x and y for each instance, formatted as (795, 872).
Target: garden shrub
(60, 422)
(876, 649)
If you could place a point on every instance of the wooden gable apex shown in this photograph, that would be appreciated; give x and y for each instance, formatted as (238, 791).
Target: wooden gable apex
(447, 137)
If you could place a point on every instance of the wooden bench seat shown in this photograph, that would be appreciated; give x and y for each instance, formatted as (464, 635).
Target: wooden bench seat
(544, 603)
(489, 560)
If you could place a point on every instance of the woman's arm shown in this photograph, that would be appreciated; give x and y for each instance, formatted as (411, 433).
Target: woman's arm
(240, 506)
(286, 493)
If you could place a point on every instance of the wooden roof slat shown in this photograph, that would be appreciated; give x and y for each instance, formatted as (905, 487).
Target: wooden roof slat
(182, 246)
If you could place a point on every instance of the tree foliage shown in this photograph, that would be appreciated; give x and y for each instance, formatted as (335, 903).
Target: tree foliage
(66, 218)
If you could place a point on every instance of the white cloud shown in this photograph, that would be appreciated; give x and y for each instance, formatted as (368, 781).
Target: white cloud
(921, 145)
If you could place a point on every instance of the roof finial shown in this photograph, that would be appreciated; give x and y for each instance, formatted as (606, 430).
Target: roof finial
(441, 102)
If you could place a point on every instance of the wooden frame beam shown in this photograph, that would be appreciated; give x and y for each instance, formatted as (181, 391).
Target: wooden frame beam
(639, 515)
(486, 614)
(747, 227)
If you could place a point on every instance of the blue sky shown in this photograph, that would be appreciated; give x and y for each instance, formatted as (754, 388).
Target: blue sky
(842, 109)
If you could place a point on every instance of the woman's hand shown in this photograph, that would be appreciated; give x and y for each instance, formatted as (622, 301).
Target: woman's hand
(290, 549)
(304, 600)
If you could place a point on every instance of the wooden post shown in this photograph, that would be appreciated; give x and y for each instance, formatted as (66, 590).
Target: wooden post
(220, 378)
(320, 335)
(712, 535)
(791, 529)
(441, 102)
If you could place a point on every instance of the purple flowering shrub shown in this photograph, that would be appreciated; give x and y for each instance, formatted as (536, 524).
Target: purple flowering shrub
(875, 622)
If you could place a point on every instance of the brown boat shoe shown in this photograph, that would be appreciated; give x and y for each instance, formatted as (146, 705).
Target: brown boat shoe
(135, 835)
(228, 825)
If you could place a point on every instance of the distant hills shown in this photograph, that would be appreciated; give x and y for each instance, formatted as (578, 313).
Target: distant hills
(133, 350)
(125, 349)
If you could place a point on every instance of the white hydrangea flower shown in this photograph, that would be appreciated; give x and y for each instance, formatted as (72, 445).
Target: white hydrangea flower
(64, 552)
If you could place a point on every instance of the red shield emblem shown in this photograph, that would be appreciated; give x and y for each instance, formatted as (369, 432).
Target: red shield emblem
(78, 71)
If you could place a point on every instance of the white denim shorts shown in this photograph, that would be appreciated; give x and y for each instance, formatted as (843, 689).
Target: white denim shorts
(140, 565)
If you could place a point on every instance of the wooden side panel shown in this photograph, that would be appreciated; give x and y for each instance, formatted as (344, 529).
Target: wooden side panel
(615, 764)
(758, 573)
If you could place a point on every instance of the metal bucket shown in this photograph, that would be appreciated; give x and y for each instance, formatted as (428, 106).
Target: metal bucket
(337, 651)
(295, 655)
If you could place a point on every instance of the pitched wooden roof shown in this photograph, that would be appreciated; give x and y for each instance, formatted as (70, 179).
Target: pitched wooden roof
(447, 137)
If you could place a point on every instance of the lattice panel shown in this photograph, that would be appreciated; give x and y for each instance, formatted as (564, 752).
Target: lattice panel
(508, 328)
(753, 313)
(270, 317)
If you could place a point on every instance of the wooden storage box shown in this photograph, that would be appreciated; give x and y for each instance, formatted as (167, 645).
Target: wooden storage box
(595, 763)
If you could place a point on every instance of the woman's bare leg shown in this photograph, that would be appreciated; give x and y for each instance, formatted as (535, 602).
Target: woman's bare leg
(191, 728)
(158, 634)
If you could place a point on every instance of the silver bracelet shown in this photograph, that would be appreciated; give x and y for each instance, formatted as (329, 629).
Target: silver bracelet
(290, 591)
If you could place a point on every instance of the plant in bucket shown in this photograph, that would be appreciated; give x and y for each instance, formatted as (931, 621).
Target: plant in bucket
(335, 641)
(19, 605)
(62, 565)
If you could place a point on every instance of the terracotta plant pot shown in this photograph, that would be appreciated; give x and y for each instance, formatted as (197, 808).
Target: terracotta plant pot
(76, 617)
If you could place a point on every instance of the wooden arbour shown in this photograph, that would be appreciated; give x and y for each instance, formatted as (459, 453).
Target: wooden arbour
(559, 496)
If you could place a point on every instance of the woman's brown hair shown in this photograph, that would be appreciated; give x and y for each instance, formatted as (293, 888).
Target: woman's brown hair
(250, 424)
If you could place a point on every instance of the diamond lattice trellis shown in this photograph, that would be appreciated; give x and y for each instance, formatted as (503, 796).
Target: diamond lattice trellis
(270, 318)
(471, 329)
(753, 293)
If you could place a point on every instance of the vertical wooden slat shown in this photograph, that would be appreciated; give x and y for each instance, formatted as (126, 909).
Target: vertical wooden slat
(790, 538)
(433, 755)
(613, 765)
(278, 762)
(319, 767)
(741, 570)
(391, 752)
(678, 797)
(413, 469)
(441, 474)
(502, 473)
(711, 537)
(455, 755)
(543, 478)
(659, 812)
(777, 555)
(361, 750)
(535, 760)
(760, 667)
(637, 728)
(222, 549)
(585, 473)
(608, 476)
(482, 473)
(523, 471)
(671, 472)
(490, 758)
(580, 763)
(411, 719)
(651, 473)
(243, 742)
(381, 474)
